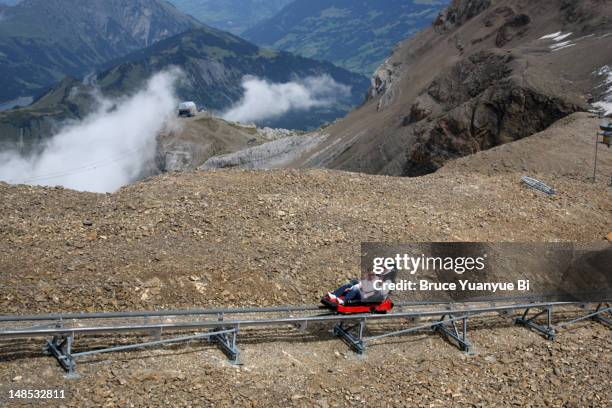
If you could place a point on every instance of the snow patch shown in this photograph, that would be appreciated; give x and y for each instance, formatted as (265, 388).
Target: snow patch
(562, 37)
(556, 37)
(561, 46)
(551, 36)
(606, 72)
(605, 105)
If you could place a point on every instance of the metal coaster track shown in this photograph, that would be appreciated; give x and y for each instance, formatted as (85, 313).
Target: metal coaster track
(221, 326)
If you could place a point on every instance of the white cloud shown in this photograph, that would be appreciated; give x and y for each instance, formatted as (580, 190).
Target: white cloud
(106, 150)
(264, 100)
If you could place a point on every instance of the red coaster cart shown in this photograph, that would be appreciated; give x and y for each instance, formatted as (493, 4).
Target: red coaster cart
(357, 307)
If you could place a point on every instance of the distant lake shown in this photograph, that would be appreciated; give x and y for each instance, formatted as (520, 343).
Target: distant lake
(21, 101)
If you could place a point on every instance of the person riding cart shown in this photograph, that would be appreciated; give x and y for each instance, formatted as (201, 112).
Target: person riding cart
(369, 294)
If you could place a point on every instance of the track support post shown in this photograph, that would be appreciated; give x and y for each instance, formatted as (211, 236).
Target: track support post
(60, 347)
(352, 335)
(453, 330)
(601, 309)
(227, 344)
(547, 330)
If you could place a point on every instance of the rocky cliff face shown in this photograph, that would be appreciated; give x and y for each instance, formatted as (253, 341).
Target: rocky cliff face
(191, 142)
(503, 113)
(474, 106)
(383, 82)
(459, 12)
(276, 154)
(487, 72)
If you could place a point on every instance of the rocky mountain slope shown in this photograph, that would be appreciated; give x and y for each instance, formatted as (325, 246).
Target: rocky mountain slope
(356, 35)
(231, 238)
(41, 41)
(487, 72)
(274, 231)
(545, 154)
(276, 154)
(234, 16)
(258, 238)
(192, 141)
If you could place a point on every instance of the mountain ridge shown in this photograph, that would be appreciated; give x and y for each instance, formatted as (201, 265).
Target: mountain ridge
(41, 41)
(214, 63)
(228, 59)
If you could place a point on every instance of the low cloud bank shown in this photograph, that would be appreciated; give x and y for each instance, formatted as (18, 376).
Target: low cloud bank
(106, 150)
(265, 100)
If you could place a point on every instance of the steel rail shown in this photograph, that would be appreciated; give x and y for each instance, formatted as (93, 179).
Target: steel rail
(160, 313)
(182, 312)
(184, 326)
(203, 312)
